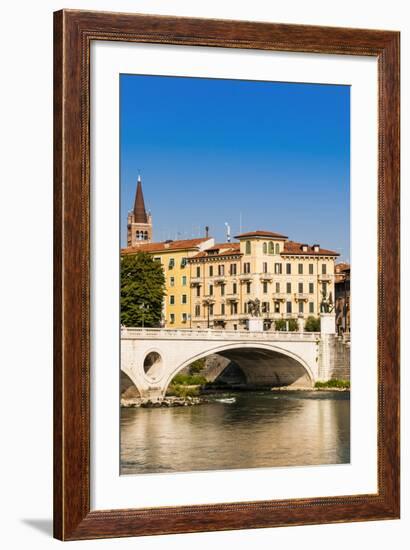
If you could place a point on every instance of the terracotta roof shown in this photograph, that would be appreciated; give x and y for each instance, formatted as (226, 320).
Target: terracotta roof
(224, 246)
(260, 233)
(140, 214)
(164, 246)
(343, 266)
(291, 247)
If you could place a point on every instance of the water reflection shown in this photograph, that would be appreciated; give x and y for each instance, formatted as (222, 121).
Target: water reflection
(258, 429)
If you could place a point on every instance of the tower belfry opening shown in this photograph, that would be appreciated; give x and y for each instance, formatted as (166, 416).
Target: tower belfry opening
(139, 227)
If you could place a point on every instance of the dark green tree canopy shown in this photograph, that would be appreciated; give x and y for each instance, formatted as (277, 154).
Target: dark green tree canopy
(142, 290)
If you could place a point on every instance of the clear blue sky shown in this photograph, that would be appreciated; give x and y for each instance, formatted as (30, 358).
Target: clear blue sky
(210, 150)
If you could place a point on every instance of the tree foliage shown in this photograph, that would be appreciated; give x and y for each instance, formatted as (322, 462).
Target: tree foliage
(142, 290)
(312, 324)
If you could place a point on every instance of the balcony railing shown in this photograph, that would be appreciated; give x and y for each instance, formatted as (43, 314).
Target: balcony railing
(266, 276)
(196, 281)
(219, 279)
(301, 297)
(281, 296)
(232, 297)
(245, 276)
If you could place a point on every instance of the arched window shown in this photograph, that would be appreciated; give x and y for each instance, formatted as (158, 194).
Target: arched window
(265, 248)
(271, 248)
(277, 248)
(248, 247)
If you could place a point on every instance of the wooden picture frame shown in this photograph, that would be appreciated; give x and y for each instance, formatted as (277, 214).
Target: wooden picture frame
(73, 33)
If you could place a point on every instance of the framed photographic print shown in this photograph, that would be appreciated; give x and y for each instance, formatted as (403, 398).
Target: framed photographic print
(226, 286)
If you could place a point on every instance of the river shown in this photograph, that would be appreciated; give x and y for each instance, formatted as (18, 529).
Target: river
(238, 430)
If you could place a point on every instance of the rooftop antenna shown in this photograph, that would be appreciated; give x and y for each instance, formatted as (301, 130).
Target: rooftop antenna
(228, 232)
(207, 231)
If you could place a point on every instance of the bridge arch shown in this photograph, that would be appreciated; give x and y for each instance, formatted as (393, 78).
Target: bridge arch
(263, 364)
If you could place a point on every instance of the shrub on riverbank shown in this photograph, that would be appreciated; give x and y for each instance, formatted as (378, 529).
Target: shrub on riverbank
(335, 383)
(179, 390)
(188, 380)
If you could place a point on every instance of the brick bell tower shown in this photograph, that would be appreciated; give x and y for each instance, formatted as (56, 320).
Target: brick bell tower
(139, 227)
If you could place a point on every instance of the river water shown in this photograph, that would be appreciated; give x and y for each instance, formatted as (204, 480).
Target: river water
(238, 430)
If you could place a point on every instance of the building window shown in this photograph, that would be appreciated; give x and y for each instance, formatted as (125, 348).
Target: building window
(198, 271)
(234, 308)
(211, 309)
(265, 248)
(271, 248)
(221, 269)
(323, 269)
(311, 290)
(311, 307)
(211, 290)
(265, 287)
(288, 288)
(234, 288)
(276, 307)
(183, 280)
(300, 269)
(277, 250)
(222, 309)
(246, 267)
(288, 269)
(172, 318)
(310, 269)
(198, 291)
(277, 287)
(211, 270)
(278, 269)
(265, 307)
(300, 288)
(222, 290)
(248, 288)
(265, 267)
(172, 299)
(184, 299)
(184, 261)
(288, 307)
(233, 269)
(248, 247)
(184, 317)
(157, 259)
(171, 263)
(245, 307)
(171, 281)
(301, 304)
(197, 311)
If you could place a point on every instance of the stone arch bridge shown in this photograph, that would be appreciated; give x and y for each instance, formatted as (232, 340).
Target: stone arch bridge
(150, 358)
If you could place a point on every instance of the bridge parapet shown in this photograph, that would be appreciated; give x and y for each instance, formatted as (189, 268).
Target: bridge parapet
(212, 334)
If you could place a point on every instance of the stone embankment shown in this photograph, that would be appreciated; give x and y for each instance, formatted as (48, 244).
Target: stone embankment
(168, 401)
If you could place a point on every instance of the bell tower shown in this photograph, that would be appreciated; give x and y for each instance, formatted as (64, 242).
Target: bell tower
(139, 226)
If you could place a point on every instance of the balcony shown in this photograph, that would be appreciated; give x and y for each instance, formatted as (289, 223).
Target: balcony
(325, 278)
(208, 299)
(245, 277)
(279, 296)
(266, 276)
(219, 279)
(232, 297)
(301, 297)
(219, 317)
(196, 281)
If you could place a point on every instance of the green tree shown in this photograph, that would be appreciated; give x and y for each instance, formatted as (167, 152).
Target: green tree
(312, 324)
(142, 290)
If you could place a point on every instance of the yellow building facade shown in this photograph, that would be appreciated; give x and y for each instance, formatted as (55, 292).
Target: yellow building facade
(174, 257)
(289, 279)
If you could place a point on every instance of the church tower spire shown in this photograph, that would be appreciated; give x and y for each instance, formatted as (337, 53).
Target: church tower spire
(139, 228)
